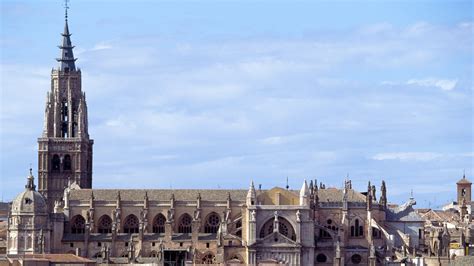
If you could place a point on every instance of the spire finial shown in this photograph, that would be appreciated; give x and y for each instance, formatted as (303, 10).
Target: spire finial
(66, 7)
(287, 186)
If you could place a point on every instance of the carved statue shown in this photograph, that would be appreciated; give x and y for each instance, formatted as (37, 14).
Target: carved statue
(170, 216)
(197, 214)
(41, 242)
(298, 216)
(253, 215)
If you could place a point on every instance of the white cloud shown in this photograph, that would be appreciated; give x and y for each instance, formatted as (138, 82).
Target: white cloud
(407, 156)
(444, 84)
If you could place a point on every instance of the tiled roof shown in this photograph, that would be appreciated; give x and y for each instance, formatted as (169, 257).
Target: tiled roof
(336, 195)
(159, 194)
(463, 181)
(325, 195)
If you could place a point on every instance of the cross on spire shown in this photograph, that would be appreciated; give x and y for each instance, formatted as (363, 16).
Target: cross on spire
(66, 7)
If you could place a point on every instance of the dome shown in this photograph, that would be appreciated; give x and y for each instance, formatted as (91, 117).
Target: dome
(29, 201)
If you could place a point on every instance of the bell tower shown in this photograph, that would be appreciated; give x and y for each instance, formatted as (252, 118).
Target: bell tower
(464, 190)
(64, 149)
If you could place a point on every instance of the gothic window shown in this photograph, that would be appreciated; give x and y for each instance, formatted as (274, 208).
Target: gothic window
(357, 230)
(321, 258)
(131, 224)
(184, 225)
(356, 258)
(209, 258)
(55, 162)
(284, 228)
(67, 162)
(159, 224)
(78, 225)
(212, 223)
(105, 225)
(330, 225)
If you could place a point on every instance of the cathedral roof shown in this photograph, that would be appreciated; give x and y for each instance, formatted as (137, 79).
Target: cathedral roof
(29, 201)
(160, 194)
(325, 195)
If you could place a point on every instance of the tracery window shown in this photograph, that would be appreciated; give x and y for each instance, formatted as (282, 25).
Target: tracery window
(159, 224)
(357, 229)
(184, 225)
(330, 225)
(212, 223)
(105, 225)
(284, 228)
(131, 224)
(78, 225)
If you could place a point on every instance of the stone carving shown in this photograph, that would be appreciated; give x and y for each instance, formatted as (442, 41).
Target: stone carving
(298, 216)
(253, 216)
(170, 215)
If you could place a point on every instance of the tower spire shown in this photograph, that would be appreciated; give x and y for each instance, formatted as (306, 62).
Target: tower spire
(66, 60)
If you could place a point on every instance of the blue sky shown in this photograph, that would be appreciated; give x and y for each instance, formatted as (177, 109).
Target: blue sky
(213, 94)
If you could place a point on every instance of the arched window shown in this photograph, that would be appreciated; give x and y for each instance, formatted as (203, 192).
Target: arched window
(67, 162)
(376, 233)
(105, 225)
(55, 163)
(212, 223)
(78, 224)
(284, 228)
(159, 224)
(330, 225)
(131, 224)
(184, 225)
(321, 258)
(357, 229)
(209, 258)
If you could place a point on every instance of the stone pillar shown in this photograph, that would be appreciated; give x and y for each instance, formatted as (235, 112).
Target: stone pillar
(168, 231)
(251, 230)
(195, 228)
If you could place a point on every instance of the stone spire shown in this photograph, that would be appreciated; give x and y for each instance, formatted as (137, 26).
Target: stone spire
(304, 194)
(251, 195)
(30, 184)
(66, 59)
(383, 196)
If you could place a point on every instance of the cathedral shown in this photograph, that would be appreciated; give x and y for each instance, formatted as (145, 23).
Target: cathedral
(63, 214)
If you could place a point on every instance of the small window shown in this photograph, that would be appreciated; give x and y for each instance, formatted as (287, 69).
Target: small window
(181, 244)
(152, 244)
(321, 258)
(67, 162)
(56, 162)
(71, 245)
(356, 259)
(207, 245)
(126, 244)
(99, 244)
